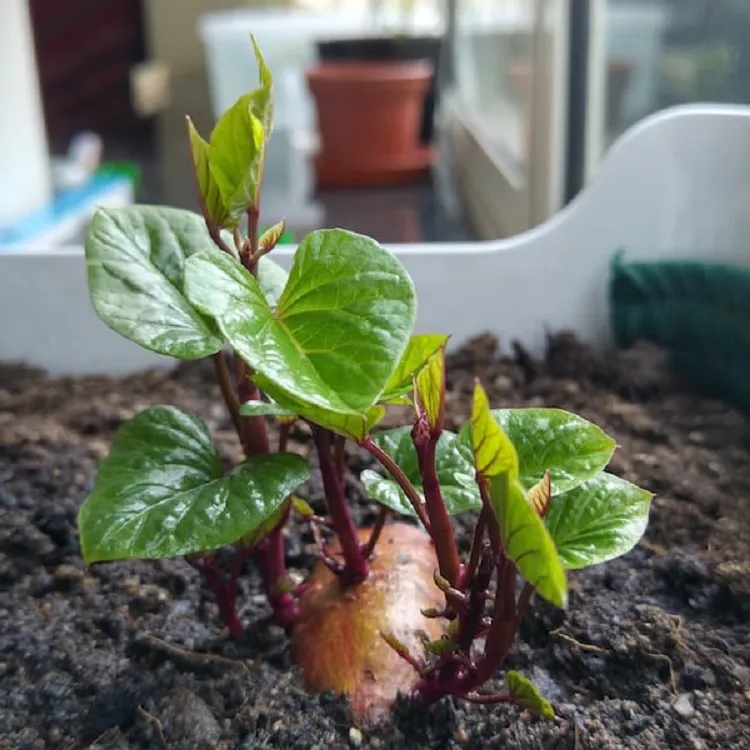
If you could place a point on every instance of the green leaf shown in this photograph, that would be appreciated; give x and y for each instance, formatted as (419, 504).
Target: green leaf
(235, 153)
(340, 327)
(454, 468)
(212, 202)
(261, 532)
(430, 388)
(494, 453)
(264, 409)
(526, 695)
(526, 540)
(262, 98)
(600, 519)
(160, 492)
(354, 426)
(419, 350)
(570, 447)
(272, 279)
(135, 258)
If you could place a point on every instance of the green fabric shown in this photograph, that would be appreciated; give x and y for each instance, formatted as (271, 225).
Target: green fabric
(700, 312)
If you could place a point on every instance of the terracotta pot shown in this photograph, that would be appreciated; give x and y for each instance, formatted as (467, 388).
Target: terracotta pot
(369, 119)
(392, 49)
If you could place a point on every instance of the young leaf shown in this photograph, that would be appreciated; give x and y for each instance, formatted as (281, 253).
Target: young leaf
(272, 279)
(454, 468)
(235, 153)
(302, 507)
(526, 540)
(570, 447)
(262, 97)
(494, 453)
(540, 495)
(526, 695)
(419, 350)
(600, 519)
(264, 409)
(135, 258)
(269, 239)
(211, 200)
(160, 492)
(342, 322)
(430, 390)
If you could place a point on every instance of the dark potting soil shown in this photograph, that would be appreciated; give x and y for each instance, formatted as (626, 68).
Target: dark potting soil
(654, 651)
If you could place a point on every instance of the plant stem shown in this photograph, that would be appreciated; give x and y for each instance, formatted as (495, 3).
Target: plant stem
(253, 215)
(399, 477)
(339, 447)
(284, 429)
(477, 545)
(377, 530)
(253, 433)
(356, 567)
(225, 595)
(272, 565)
(441, 528)
(227, 390)
(523, 601)
(503, 627)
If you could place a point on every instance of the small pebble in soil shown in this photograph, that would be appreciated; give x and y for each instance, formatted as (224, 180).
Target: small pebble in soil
(150, 599)
(67, 577)
(355, 737)
(186, 717)
(684, 705)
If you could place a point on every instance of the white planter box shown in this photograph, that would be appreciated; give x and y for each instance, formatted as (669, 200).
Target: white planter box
(673, 187)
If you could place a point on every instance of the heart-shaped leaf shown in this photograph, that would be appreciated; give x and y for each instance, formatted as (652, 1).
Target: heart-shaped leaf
(527, 695)
(526, 540)
(338, 331)
(570, 447)
(418, 352)
(454, 468)
(600, 519)
(160, 492)
(135, 258)
(272, 279)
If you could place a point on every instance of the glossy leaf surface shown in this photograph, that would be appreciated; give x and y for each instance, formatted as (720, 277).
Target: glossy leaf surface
(160, 492)
(494, 453)
(135, 257)
(454, 467)
(600, 519)
(340, 326)
(430, 389)
(235, 153)
(570, 447)
(213, 203)
(264, 409)
(526, 540)
(419, 350)
(272, 279)
(527, 695)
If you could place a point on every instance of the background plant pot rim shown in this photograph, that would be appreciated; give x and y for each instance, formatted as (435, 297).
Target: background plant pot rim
(371, 72)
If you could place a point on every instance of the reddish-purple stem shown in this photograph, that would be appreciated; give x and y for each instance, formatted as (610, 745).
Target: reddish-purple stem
(377, 530)
(441, 528)
(356, 567)
(398, 477)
